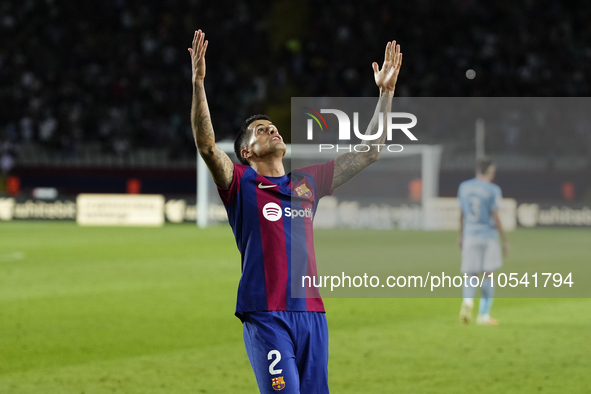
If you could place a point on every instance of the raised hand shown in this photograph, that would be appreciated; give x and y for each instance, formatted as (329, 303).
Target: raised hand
(198, 56)
(386, 77)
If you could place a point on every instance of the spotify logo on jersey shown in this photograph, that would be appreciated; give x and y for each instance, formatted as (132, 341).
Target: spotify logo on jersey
(272, 212)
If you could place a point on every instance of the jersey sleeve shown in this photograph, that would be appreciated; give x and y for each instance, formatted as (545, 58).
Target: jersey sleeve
(229, 195)
(323, 175)
(496, 201)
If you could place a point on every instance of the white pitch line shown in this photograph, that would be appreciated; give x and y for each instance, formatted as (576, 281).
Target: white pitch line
(12, 256)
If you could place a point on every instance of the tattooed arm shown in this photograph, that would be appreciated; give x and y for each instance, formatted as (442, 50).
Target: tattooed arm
(218, 162)
(348, 165)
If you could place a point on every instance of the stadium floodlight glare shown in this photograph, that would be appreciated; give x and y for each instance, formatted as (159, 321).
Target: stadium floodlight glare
(210, 209)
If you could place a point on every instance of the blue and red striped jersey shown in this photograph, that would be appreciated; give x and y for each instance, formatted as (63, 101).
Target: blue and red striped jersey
(271, 218)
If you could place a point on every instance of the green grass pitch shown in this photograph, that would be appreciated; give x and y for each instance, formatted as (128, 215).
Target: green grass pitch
(143, 310)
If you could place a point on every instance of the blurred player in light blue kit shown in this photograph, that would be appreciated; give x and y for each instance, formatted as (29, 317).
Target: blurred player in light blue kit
(480, 228)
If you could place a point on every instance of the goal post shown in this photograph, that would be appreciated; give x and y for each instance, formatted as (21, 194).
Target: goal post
(424, 163)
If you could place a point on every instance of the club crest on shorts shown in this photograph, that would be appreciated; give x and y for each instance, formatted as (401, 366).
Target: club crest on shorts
(303, 191)
(278, 383)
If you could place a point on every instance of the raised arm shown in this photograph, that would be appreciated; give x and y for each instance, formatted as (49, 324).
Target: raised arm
(218, 162)
(348, 165)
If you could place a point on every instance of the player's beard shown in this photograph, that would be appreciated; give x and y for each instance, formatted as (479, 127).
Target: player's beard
(271, 150)
(278, 147)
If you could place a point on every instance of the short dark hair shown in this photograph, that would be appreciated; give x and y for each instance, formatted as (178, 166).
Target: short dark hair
(242, 136)
(483, 163)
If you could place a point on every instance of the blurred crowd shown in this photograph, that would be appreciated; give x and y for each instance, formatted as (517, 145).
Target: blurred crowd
(117, 72)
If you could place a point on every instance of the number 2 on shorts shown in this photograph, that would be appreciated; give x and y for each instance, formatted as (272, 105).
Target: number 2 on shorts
(272, 369)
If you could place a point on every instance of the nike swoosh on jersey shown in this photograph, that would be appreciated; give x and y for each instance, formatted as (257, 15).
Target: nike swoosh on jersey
(261, 186)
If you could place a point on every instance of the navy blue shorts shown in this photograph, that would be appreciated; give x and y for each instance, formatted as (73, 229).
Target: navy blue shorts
(288, 351)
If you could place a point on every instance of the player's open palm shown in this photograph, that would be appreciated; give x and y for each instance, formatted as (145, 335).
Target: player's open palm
(198, 56)
(386, 77)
